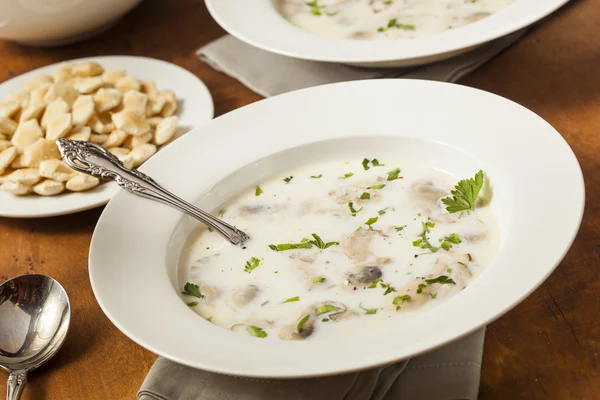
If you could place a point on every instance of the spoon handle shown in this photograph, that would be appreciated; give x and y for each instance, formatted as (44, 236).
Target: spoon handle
(95, 160)
(16, 384)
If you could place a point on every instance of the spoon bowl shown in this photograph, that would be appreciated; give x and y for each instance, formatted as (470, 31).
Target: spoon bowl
(34, 319)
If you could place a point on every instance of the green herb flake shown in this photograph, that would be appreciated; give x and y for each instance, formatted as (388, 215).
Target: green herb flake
(433, 295)
(250, 265)
(393, 174)
(221, 212)
(325, 308)
(449, 270)
(376, 163)
(381, 212)
(317, 176)
(423, 242)
(256, 331)
(288, 179)
(325, 320)
(369, 310)
(374, 284)
(365, 164)
(371, 221)
(265, 303)
(420, 288)
(388, 288)
(193, 303)
(258, 191)
(289, 246)
(365, 196)
(393, 23)
(348, 175)
(191, 289)
(464, 195)
(399, 228)
(442, 279)
(301, 322)
(292, 299)
(319, 279)
(399, 300)
(352, 210)
(376, 187)
(318, 242)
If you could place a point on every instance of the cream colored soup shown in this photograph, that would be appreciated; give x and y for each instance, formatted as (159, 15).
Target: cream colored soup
(385, 19)
(389, 250)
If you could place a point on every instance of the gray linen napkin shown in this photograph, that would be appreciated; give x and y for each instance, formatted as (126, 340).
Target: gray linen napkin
(449, 373)
(269, 74)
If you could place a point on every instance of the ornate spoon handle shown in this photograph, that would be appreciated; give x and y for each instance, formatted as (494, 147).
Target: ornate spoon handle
(95, 160)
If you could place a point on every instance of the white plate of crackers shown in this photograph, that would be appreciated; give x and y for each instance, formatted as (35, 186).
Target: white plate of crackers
(133, 106)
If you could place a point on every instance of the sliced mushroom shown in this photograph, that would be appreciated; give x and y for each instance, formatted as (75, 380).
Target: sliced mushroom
(362, 276)
(357, 245)
(301, 329)
(244, 295)
(427, 193)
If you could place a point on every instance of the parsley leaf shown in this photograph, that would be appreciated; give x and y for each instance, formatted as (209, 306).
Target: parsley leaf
(301, 322)
(193, 303)
(369, 310)
(292, 299)
(399, 228)
(264, 304)
(376, 187)
(318, 279)
(464, 194)
(375, 163)
(371, 221)
(381, 212)
(250, 265)
(317, 176)
(318, 242)
(374, 284)
(399, 300)
(424, 242)
(388, 288)
(258, 191)
(420, 288)
(288, 179)
(365, 164)
(325, 308)
(256, 331)
(443, 279)
(352, 210)
(348, 175)
(191, 289)
(290, 246)
(448, 241)
(209, 319)
(365, 196)
(393, 174)
(393, 23)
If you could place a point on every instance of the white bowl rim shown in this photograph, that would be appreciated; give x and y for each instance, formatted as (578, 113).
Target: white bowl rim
(307, 46)
(111, 291)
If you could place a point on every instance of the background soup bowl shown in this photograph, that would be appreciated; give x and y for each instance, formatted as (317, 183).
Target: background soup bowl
(135, 247)
(43, 22)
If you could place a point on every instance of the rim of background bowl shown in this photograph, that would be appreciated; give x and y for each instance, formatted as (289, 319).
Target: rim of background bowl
(250, 19)
(217, 351)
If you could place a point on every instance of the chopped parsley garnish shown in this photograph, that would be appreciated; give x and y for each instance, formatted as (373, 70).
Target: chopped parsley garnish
(325, 320)
(352, 210)
(381, 212)
(421, 287)
(250, 265)
(318, 242)
(192, 303)
(399, 300)
(319, 279)
(288, 179)
(374, 284)
(290, 246)
(348, 175)
(424, 242)
(374, 162)
(376, 187)
(443, 279)
(315, 7)
(317, 176)
(449, 270)
(256, 331)
(264, 304)
(371, 221)
(365, 196)
(191, 289)
(369, 310)
(209, 319)
(292, 299)
(325, 308)
(301, 322)
(464, 195)
(258, 191)
(221, 212)
(393, 174)
(388, 288)
(433, 295)
(448, 241)
(399, 228)
(393, 23)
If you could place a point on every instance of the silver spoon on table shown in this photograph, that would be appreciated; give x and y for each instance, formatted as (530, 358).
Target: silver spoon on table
(95, 160)
(34, 319)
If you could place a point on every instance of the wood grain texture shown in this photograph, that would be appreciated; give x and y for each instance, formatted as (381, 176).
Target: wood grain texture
(547, 347)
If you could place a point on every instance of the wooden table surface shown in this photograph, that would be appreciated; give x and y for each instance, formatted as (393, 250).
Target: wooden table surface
(547, 347)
